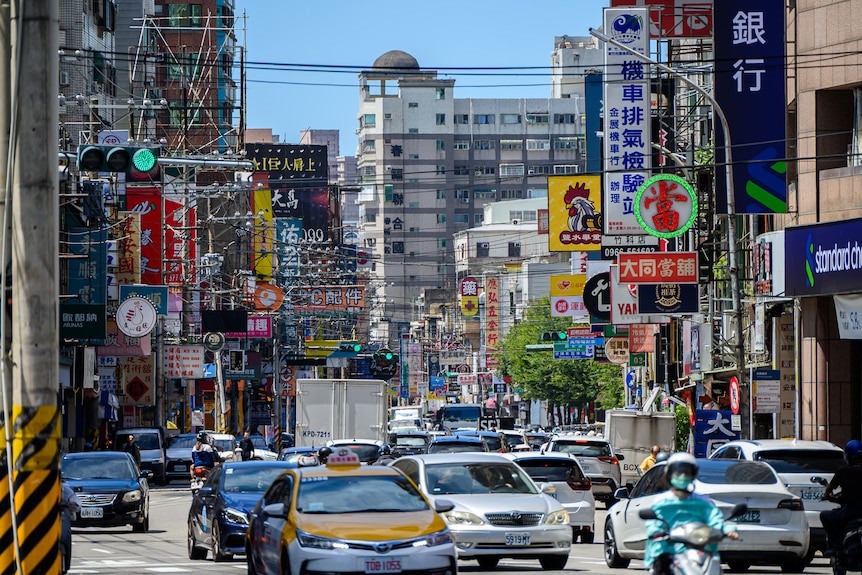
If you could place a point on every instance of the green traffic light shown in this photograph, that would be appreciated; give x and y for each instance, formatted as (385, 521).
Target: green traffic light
(388, 355)
(144, 160)
(357, 348)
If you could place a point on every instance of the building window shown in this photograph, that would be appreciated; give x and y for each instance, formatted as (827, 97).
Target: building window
(486, 170)
(483, 249)
(369, 171)
(537, 193)
(564, 118)
(484, 144)
(441, 145)
(461, 145)
(413, 181)
(441, 170)
(440, 94)
(566, 169)
(441, 218)
(369, 146)
(413, 205)
(397, 174)
(484, 193)
(412, 104)
(461, 118)
(514, 249)
(397, 247)
(412, 156)
(442, 243)
(462, 194)
(511, 170)
(565, 143)
(483, 118)
(511, 194)
(441, 194)
(369, 121)
(184, 15)
(462, 218)
(511, 144)
(537, 119)
(413, 130)
(387, 116)
(461, 171)
(510, 118)
(538, 170)
(441, 119)
(538, 144)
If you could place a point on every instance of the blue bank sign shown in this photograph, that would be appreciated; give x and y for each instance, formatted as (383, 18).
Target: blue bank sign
(823, 259)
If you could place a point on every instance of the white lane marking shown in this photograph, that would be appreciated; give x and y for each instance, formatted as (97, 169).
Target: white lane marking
(100, 550)
(167, 570)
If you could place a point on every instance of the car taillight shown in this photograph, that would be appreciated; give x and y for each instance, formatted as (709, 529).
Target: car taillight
(580, 484)
(611, 460)
(794, 504)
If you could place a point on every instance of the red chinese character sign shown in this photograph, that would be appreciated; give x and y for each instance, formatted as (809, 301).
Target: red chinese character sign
(574, 213)
(665, 206)
(469, 293)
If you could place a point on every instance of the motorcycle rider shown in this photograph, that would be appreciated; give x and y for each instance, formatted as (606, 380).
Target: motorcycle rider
(323, 454)
(679, 505)
(846, 483)
(384, 455)
(203, 454)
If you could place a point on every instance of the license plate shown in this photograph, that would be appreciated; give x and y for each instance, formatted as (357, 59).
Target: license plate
(390, 565)
(92, 512)
(586, 467)
(518, 539)
(752, 516)
(181, 467)
(811, 494)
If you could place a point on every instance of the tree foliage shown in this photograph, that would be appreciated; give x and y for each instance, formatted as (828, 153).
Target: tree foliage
(571, 383)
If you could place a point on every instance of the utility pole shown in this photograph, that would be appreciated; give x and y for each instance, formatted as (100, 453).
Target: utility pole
(33, 208)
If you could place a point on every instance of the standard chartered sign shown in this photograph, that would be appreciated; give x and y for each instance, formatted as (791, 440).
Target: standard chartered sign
(823, 259)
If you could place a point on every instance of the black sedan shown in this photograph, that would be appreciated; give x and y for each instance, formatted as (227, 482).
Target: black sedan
(218, 517)
(111, 489)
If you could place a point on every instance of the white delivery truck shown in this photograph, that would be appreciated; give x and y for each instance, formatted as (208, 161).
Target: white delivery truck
(633, 433)
(329, 409)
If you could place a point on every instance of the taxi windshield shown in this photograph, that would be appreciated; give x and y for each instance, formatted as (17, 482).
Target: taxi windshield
(358, 494)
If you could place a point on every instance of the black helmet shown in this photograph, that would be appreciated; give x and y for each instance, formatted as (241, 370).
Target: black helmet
(384, 450)
(323, 453)
(681, 462)
(203, 437)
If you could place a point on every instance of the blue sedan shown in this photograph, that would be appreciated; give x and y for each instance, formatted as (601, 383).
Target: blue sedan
(218, 517)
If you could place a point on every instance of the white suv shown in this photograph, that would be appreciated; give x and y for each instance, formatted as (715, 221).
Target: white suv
(805, 467)
(597, 459)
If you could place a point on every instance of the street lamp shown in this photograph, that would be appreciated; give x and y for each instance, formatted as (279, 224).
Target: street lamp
(732, 259)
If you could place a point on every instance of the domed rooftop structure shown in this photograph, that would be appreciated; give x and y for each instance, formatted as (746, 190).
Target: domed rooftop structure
(396, 60)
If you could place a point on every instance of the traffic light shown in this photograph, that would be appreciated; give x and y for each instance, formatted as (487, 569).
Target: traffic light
(554, 336)
(136, 160)
(384, 364)
(349, 347)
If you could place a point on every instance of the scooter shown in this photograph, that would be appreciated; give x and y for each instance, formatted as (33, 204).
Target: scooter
(695, 536)
(849, 556)
(199, 475)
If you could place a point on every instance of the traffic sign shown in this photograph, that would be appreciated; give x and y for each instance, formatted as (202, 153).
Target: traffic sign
(585, 352)
(733, 391)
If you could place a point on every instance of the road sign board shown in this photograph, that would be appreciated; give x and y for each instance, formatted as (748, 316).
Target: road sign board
(585, 352)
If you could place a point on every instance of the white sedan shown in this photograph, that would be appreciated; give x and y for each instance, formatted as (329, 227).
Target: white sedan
(773, 531)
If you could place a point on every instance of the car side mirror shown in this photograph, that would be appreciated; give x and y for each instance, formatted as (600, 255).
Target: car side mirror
(647, 514)
(205, 491)
(274, 510)
(443, 505)
(621, 493)
(548, 489)
(619, 456)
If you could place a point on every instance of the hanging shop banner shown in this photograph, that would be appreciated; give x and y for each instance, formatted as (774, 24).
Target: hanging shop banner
(87, 277)
(139, 381)
(597, 297)
(612, 246)
(665, 267)
(848, 309)
(264, 235)
(750, 75)
(158, 295)
(184, 361)
(268, 297)
(668, 299)
(492, 312)
(574, 213)
(666, 206)
(128, 241)
(469, 296)
(118, 344)
(675, 18)
(259, 327)
(180, 245)
(642, 337)
(83, 322)
(567, 296)
(823, 259)
(627, 119)
(286, 162)
(624, 303)
(147, 203)
(288, 234)
(766, 389)
(332, 299)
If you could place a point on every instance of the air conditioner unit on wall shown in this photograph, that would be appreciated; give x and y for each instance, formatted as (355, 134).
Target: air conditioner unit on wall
(516, 221)
(483, 245)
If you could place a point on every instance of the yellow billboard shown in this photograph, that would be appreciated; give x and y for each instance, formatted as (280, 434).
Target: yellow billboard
(574, 213)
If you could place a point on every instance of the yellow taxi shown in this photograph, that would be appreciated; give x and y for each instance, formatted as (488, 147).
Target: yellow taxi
(345, 517)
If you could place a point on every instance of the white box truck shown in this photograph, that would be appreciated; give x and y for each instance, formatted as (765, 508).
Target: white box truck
(340, 409)
(633, 433)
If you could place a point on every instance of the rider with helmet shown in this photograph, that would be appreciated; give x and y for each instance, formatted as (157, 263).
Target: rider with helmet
(203, 454)
(843, 489)
(384, 455)
(323, 454)
(679, 505)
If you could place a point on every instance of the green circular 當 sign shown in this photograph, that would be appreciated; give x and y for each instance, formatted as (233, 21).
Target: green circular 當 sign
(665, 206)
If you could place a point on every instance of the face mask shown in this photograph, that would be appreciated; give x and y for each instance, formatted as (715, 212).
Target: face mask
(681, 481)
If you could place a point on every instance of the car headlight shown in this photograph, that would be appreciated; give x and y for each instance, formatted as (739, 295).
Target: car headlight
(316, 542)
(560, 517)
(235, 516)
(462, 518)
(132, 496)
(435, 539)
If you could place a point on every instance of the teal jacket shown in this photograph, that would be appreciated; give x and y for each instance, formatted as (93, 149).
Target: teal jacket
(673, 511)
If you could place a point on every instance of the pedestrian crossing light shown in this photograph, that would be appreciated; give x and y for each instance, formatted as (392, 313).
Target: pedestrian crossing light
(554, 336)
(112, 158)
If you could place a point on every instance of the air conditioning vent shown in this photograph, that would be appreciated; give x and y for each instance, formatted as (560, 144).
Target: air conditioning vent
(516, 244)
(484, 246)
(64, 78)
(465, 200)
(531, 172)
(516, 221)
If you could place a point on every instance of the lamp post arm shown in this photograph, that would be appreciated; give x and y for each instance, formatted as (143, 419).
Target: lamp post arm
(732, 259)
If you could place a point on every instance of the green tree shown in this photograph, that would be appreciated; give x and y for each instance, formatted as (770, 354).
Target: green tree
(563, 383)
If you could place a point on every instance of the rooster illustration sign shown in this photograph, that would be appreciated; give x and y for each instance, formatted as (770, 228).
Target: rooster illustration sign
(136, 316)
(574, 213)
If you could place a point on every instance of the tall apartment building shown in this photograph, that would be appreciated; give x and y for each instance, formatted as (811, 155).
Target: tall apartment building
(328, 138)
(429, 162)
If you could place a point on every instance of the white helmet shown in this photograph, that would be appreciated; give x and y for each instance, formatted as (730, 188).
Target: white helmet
(681, 462)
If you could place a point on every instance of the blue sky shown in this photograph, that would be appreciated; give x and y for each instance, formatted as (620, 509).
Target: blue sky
(440, 34)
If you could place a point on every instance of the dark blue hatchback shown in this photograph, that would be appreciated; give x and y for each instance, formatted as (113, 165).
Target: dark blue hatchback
(219, 514)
